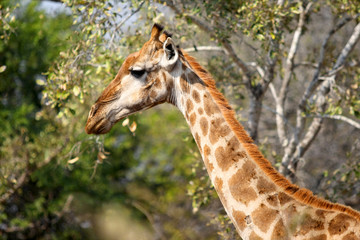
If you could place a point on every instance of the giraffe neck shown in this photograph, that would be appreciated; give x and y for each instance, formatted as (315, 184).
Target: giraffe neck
(257, 206)
(232, 172)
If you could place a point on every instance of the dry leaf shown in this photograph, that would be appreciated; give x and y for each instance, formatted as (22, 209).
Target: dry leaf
(133, 127)
(101, 156)
(125, 122)
(74, 160)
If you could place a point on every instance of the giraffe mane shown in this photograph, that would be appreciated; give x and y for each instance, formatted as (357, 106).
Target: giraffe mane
(301, 194)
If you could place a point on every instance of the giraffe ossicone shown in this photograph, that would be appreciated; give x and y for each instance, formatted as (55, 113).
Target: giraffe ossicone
(261, 203)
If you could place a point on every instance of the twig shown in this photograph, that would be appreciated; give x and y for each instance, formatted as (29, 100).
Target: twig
(208, 29)
(337, 117)
(259, 69)
(12, 190)
(206, 48)
(125, 20)
(306, 64)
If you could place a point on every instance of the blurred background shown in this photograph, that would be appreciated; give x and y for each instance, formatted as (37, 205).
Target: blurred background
(290, 70)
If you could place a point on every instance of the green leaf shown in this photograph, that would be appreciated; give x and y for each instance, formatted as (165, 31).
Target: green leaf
(2, 68)
(40, 82)
(76, 90)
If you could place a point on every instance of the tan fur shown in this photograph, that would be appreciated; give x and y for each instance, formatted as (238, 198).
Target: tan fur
(302, 195)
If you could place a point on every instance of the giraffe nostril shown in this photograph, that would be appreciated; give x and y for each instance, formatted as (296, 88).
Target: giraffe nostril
(93, 110)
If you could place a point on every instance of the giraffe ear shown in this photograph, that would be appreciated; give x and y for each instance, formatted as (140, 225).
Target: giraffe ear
(171, 53)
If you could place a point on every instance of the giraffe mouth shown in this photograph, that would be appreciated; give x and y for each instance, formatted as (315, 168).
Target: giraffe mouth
(101, 126)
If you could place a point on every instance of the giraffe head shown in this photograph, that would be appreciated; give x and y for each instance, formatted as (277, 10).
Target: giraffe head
(141, 83)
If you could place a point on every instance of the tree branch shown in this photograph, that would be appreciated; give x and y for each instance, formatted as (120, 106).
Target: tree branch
(280, 100)
(206, 48)
(337, 117)
(321, 100)
(348, 47)
(292, 151)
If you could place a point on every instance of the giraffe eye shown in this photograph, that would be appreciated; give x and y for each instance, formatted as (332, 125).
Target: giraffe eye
(137, 73)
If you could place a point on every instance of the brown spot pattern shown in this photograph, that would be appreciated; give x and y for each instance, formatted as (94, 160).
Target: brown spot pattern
(192, 119)
(219, 188)
(263, 217)
(204, 126)
(198, 141)
(350, 236)
(279, 232)
(201, 111)
(226, 157)
(309, 224)
(189, 106)
(209, 166)
(170, 85)
(157, 83)
(254, 236)
(218, 183)
(239, 217)
(239, 183)
(209, 105)
(196, 96)
(153, 94)
(218, 130)
(164, 75)
(207, 150)
(284, 198)
(264, 186)
(339, 224)
(319, 237)
(184, 85)
(320, 213)
(272, 200)
(193, 79)
(183, 67)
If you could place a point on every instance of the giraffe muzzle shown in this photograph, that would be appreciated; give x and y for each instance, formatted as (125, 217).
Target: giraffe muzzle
(96, 122)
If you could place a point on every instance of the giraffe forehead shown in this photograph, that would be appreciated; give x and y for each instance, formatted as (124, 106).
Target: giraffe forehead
(129, 61)
(147, 62)
(150, 49)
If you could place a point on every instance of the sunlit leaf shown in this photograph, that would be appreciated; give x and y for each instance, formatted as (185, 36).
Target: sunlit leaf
(2, 68)
(125, 122)
(133, 127)
(74, 160)
(76, 90)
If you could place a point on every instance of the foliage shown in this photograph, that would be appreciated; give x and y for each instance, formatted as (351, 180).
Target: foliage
(6, 19)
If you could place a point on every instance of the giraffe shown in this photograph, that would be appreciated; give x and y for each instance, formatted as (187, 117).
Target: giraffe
(261, 203)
